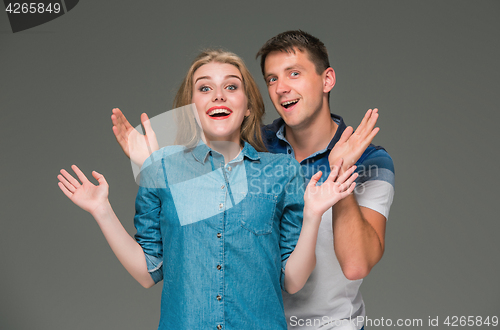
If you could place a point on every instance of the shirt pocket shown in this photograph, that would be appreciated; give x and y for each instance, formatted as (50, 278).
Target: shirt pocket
(257, 213)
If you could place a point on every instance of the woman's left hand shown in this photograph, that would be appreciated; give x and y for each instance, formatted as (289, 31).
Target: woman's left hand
(318, 199)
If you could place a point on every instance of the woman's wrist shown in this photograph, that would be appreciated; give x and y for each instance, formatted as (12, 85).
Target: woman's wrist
(102, 210)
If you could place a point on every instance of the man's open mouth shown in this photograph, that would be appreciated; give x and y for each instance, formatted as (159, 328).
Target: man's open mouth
(288, 104)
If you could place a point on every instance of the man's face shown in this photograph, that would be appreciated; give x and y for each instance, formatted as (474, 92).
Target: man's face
(295, 88)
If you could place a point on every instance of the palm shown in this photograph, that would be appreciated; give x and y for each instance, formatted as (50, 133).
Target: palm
(351, 145)
(320, 198)
(86, 195)
(136, 146)
(139, 147)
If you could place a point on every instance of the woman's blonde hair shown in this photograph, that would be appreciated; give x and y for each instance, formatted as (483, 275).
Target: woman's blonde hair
(189, 132)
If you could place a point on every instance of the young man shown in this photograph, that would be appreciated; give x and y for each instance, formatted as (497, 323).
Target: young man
(351, 237)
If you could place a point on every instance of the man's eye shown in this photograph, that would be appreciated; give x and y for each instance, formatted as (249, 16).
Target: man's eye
(204, 89)
(271, 80)
(294, 74)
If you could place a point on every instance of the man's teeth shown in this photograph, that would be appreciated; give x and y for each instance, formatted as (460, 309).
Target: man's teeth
(289, 102)
(216, 111)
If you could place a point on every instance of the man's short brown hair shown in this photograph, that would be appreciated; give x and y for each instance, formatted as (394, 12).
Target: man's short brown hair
(288, 41)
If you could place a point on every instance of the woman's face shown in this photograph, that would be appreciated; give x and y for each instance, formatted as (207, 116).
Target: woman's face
(219, 96)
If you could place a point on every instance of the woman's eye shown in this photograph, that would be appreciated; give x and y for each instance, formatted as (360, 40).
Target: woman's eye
(204, 89)
(232, 87)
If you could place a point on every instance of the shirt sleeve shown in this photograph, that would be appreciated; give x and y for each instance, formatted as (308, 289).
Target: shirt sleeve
(291, 220)
(147, 218)
(375, 183)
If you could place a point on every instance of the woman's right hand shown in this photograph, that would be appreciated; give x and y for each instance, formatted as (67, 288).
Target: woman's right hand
(85, 194)
(136, 146)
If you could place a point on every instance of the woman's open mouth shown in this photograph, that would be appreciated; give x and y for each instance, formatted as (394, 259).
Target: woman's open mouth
(219, 112)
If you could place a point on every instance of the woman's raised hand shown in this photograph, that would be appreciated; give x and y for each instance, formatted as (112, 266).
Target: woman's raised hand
(85, 194)
(136, 146)
(318, 199)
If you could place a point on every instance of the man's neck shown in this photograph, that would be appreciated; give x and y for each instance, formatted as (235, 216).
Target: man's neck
(313, 137)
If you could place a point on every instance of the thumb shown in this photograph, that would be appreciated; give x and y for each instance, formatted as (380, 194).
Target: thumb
(99, 177)
(314, 179)
(147, 124)
(346, 135)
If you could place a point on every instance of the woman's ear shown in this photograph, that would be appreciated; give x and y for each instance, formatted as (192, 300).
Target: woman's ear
(247, 113)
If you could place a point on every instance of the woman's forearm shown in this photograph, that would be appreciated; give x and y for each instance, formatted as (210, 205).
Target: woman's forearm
(126, 249)
(302, 261)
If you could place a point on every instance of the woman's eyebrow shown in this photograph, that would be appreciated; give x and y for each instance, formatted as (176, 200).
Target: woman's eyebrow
(226, 77)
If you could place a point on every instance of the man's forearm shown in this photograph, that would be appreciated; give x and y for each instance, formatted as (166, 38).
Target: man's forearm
(357, 243)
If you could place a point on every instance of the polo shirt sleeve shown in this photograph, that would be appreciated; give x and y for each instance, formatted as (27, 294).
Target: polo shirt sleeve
(147, 217)
(291, 220)
(375, 183)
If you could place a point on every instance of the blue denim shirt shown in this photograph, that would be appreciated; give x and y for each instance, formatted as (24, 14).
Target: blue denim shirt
(219, 235)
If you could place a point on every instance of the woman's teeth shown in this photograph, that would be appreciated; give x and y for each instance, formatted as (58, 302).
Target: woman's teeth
(219, 111)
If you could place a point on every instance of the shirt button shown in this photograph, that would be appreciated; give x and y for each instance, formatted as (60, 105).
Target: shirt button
(219, 235)
(229, 168)
(219, 267)
(221, 206)
(289, 151)
(219, 327)
(219, 297)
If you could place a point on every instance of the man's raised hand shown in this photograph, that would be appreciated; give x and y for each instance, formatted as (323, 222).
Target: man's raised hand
(351, 145)
(136, 146)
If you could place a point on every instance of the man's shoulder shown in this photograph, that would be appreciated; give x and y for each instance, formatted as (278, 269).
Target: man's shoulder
(376, 155)
(376, 164)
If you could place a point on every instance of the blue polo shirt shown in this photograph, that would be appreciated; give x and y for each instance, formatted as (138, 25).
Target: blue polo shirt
(375, 167)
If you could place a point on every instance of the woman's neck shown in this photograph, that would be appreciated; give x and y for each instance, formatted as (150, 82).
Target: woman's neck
(228, 149)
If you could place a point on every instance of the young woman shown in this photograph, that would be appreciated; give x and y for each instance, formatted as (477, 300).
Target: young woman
(223, 224)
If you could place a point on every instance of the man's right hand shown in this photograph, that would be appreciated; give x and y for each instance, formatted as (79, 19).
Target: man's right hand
(136, 146)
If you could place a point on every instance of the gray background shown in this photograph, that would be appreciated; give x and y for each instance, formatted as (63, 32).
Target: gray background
(431, 67)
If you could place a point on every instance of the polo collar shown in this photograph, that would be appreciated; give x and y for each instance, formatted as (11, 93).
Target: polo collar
(278, 126)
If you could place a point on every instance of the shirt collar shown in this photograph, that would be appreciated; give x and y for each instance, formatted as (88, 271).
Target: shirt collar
(278, 126)
(201, 152)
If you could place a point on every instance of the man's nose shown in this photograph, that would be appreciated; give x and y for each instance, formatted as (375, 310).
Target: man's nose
(282, 87)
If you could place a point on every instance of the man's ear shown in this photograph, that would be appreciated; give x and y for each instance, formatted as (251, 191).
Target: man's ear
(328, 80)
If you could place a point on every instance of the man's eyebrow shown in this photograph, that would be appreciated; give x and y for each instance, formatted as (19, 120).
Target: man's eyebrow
(226, 77)
(295, 66)
(292, 67)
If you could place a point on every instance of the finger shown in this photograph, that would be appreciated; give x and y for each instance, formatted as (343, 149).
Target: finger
(65, 190)
(99, 177)
(346, 134)
(372, 134)
(364, 121)
(146, 123)
(351, 188)
(347, 185)
(335, 169)
(66, 184)
(122, 120)
(342, 178)
(372, 121)
(80, 174)
(70, 178)
(314, 179)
